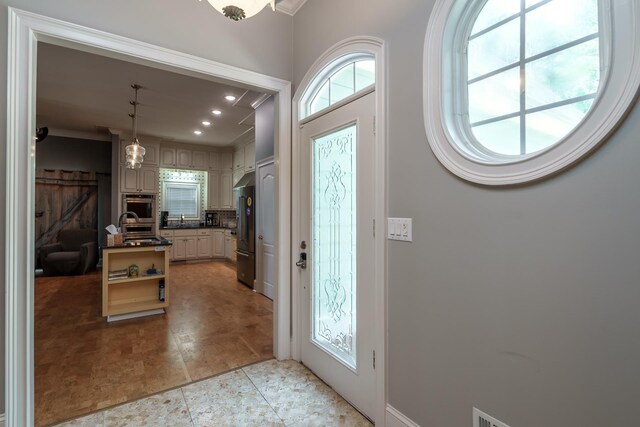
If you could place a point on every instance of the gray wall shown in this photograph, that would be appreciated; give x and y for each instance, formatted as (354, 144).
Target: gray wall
(265, 132)
(75, 154)
(521, 301)
(261, 44)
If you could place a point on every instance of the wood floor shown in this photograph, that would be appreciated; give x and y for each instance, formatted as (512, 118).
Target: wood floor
(83, 363)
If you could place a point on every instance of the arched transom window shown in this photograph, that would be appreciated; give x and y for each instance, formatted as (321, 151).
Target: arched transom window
(344, 77)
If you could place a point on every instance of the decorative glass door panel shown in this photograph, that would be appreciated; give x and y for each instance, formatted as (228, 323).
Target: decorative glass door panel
(334, 244)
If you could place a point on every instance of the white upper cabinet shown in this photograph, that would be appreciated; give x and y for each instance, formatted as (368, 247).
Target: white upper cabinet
(199, 160)
(226, 190)
(213, 201)
(214, 161)
(226, 161)
(250, 157)
(238, 158)
(143, 180)
(148, 179)
(184, 158)
(168, 157)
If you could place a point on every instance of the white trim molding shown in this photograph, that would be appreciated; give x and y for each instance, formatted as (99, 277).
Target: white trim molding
(620, 80)
(26, 29)
(377, 48)
(396, 418)
(290, 7)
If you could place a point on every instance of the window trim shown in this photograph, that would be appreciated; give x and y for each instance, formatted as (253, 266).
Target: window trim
(445, 37)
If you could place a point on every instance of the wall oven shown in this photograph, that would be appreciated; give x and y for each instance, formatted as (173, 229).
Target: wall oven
(142, 205)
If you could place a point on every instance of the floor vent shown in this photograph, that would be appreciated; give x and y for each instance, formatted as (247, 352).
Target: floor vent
(480, 419)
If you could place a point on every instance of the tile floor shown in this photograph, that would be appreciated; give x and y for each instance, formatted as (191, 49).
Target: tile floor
(268, 393)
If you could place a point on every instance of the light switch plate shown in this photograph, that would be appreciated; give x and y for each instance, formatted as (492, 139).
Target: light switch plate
(400, 229)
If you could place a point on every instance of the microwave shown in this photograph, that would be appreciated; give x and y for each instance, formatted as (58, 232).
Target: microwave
(143, 205)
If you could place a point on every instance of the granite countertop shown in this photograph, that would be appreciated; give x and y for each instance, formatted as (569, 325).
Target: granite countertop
(141, 242)
(196, 227)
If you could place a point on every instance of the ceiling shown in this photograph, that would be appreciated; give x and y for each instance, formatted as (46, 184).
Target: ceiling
(84, 93)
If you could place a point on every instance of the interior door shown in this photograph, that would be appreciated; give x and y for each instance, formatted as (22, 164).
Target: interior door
(337, 228)
(265, 245)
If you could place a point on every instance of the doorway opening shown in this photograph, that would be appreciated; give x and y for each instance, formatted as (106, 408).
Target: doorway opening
(26, 30)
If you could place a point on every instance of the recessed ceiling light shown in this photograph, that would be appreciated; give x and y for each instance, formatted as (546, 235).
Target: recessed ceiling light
(217, 112)
(230, 98)
(205, 123)
(197, 132)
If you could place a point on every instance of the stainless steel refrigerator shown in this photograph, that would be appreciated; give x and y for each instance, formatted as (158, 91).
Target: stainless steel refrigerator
(246, 260)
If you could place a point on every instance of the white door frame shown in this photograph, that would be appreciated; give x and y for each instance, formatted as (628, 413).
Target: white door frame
(25, 30)
(375, 47)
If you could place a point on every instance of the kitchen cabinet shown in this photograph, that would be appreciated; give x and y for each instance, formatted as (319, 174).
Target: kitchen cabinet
(230, 245)
(134, 294)
(151, 156)
(184, 157)
(143, 180)
(199, 160)
(226, 161)
(196, 243)
(218, 243)
(180, 248)
(213, 199)
(168, 157)
(205, 244)
(250, 157)
(214, 161)
(188, 159)
(238, 158)
(226, 190)
(191, 244)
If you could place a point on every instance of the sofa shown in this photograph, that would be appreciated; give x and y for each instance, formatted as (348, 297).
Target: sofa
(75, 253)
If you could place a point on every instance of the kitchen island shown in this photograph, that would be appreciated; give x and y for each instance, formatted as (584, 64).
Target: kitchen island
(135, 278)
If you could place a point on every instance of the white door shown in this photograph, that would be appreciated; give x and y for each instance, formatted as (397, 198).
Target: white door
(266, 248)
(337, 227)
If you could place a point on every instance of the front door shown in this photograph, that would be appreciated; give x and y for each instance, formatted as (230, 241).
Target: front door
(337, 228)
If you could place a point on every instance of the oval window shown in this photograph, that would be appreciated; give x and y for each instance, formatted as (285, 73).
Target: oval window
(518, 90)
(533, 70)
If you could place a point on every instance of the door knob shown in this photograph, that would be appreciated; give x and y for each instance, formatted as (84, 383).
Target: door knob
(260, 237)
(303, 261)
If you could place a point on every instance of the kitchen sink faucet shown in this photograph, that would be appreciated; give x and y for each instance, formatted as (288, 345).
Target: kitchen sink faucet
(124, 214)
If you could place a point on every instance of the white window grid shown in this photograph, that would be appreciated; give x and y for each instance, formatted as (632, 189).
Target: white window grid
(521, 64)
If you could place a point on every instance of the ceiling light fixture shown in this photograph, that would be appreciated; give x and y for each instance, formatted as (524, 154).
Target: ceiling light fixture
(135, 152)
(205, 123)
(197, 132)
(217, 112)
(240, 9)
(230, 98)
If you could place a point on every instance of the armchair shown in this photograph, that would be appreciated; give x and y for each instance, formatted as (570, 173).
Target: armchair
(76, 253)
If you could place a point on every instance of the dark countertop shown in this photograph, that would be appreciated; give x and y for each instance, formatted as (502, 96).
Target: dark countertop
(200, 227)
(137, 243)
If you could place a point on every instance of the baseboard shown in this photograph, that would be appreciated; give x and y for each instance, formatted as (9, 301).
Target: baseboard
(396, 418)
(2, 418)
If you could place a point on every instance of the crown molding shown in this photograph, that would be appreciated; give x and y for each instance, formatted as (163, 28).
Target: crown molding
(290, 7)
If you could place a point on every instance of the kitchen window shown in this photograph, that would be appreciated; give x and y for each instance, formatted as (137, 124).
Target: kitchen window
(517, 90)
(182, 199)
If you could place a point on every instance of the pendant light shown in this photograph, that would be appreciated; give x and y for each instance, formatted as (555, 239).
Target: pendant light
(241, 9)
(134, 151)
